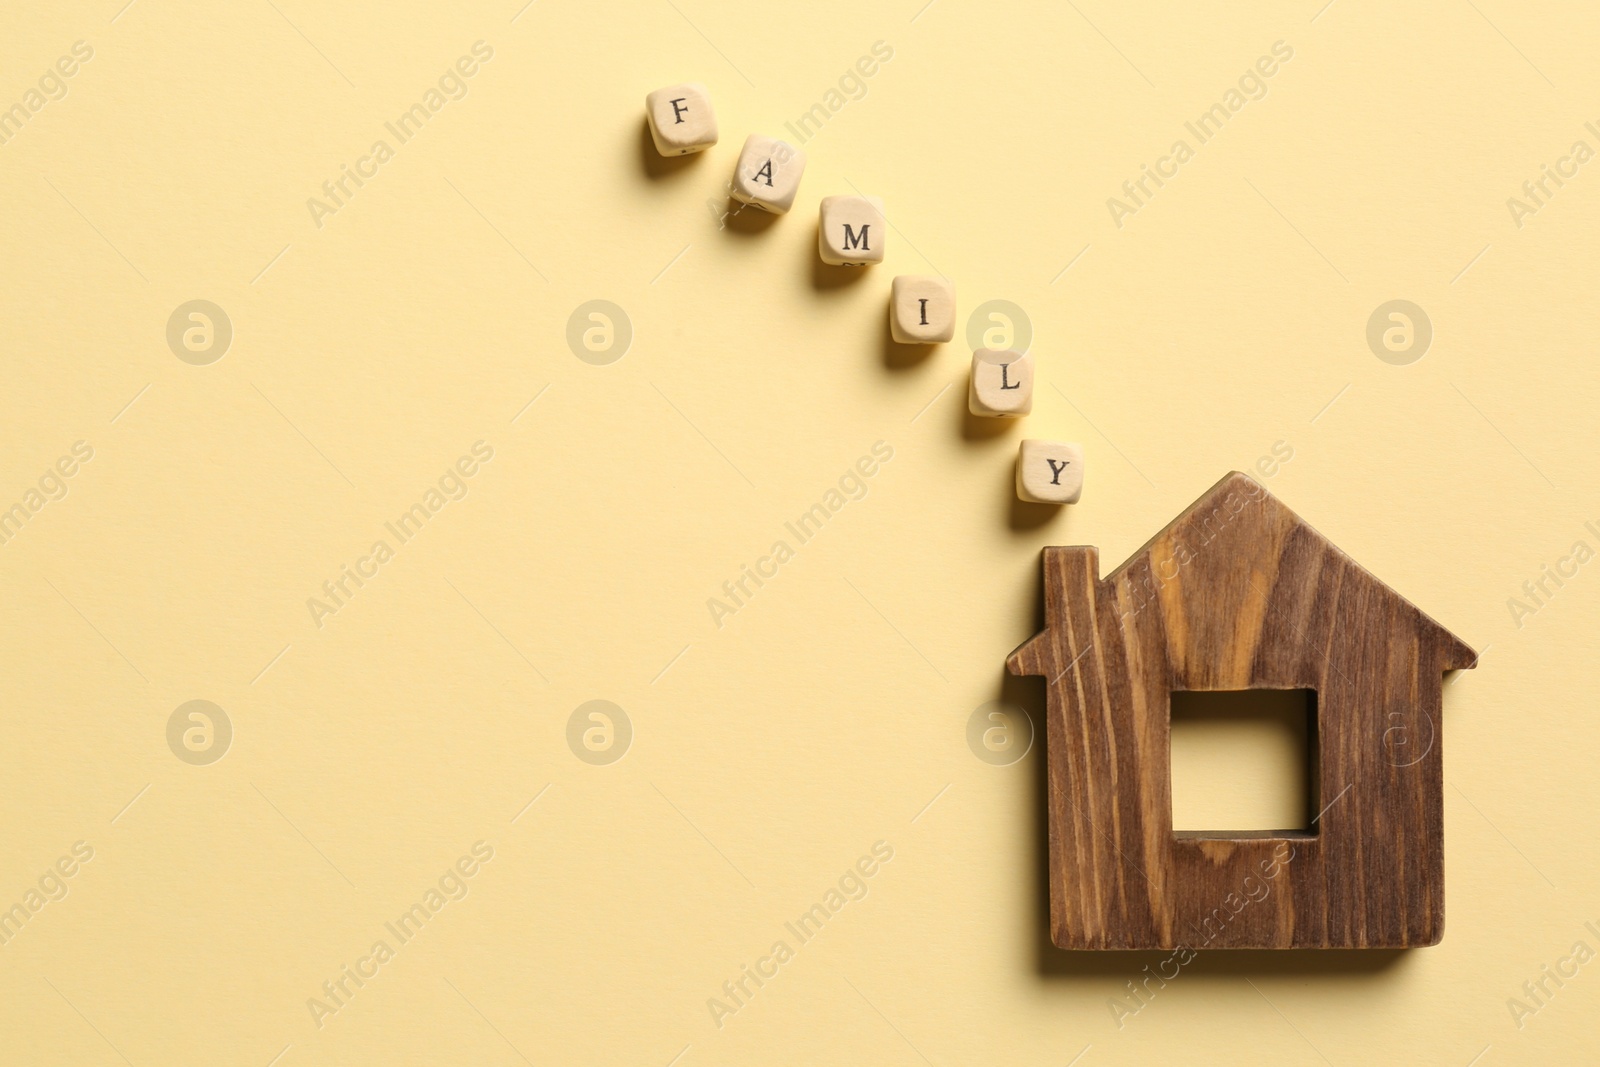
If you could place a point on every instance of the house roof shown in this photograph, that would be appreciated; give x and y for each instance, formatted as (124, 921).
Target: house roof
(1238, 552)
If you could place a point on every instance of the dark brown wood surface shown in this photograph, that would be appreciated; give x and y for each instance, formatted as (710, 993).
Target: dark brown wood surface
(1240, 593)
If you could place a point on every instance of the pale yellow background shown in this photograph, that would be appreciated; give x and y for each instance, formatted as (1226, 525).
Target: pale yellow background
(827, 714)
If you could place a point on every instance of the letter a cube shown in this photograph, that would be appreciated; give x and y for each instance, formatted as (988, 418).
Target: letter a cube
(768, 174)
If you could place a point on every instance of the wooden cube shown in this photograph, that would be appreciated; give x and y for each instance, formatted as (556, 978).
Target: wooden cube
(922, 309)
(850, 231)
(768, 174)
(1002, 383)
(681, 119)
(1049, 472)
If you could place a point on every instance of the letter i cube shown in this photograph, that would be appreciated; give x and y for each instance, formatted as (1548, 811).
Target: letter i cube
(922, 309)
(681, 119)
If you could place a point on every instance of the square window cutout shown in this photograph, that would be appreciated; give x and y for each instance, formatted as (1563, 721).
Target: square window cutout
(1244, 762)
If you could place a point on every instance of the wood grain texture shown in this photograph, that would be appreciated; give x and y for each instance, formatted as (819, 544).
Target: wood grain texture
(1240, 593)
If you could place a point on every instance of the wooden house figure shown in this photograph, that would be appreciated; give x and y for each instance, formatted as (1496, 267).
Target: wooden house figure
(1240, 593)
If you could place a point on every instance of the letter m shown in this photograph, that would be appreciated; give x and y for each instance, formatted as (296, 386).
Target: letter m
(1217, 114)
(814, 919)
(16, 116)
(412, 121)
(417, 916)
(411, 522)
(854, 240)
(16, 515)
(18, 915)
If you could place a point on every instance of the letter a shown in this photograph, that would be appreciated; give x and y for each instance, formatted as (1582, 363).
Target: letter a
(318, 1010)
(318, 610)
(718, 610)
(318, 210)
(719, 1011)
